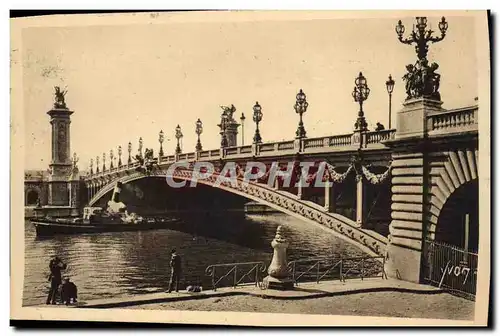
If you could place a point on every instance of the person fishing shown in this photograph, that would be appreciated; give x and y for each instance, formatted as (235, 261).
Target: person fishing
(55, 266)
(175, 265)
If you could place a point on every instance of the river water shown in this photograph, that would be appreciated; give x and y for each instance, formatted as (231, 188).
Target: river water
(126, 263)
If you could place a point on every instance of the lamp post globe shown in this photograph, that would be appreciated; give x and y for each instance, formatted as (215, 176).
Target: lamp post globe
(257, 118)
(161, 138)
(300, 107)
(199, 131)
(389, 84)
(178, 136)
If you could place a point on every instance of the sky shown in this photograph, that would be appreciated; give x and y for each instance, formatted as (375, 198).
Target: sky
(131, 81)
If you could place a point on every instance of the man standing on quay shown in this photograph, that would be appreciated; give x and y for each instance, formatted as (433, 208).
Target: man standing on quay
(175, 264)
(55, 266)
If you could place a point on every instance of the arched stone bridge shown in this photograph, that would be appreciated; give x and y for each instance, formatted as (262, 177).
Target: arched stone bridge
(430, 174)
(339, 151)
(368, 241)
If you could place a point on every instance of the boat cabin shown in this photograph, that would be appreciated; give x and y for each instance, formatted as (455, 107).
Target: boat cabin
(91, 211)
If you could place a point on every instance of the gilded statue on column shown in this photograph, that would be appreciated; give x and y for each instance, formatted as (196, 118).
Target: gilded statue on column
(59, 98)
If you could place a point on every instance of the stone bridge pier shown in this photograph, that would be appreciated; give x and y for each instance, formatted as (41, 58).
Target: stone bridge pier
(435, 158)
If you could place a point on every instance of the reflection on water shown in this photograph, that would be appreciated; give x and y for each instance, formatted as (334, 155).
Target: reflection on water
(124, 263)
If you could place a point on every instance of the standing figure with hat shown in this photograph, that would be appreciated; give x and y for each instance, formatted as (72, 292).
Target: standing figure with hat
(175, 265)
(55, 266)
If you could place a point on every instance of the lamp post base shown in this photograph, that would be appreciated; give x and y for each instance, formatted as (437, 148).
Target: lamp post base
(279, 284)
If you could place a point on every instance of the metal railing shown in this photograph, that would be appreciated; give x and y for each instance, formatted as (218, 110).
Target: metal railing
(337, 269)
(235, 274)
(452, 268)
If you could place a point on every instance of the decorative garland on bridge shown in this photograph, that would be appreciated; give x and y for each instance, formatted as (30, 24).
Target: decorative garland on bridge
(336, 177)
(376, 178)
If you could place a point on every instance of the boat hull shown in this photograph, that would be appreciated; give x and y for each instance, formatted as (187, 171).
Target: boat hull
(45, 228)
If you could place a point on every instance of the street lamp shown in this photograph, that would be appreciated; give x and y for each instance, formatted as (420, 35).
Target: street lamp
(119, 156)
(178, 136)
(300, 107)
(103, 162)
(161, 138)
(140, 147)
(257, 118)
(421, 36)
(360, 94)
(390, 87)
(111, 156)
(199, 130)
(242, 119)
(91, 165)
(129, 151)
(97, 164)
(421, 78)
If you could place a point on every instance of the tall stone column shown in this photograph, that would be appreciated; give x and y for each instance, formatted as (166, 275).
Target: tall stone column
(60, 164)
(410, 190)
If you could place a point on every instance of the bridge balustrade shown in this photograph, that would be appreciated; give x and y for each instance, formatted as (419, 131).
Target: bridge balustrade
(328, 142)
(452, 121)
(286, 145)
(377, 137)
(340, 140)
(246, 149)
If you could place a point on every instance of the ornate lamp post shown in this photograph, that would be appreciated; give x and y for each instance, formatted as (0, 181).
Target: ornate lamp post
(257, 118)
(97, 164)
(119, 156)
(300, 107)
(91, 165)
(242, 120)
(103, 162)
(199, 130)
(421, 36)
(111, 157)
(161, 138)
(422, 79)
(129, 161)
(390, 87)
(360, 94)
(178, 136)
(140, 147)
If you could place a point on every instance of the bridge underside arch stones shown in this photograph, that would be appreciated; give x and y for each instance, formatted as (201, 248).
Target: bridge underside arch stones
(431, 165)
(368, 241)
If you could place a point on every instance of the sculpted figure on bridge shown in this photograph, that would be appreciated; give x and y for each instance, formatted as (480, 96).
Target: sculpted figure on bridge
(59, 97)
(422, 80)
(148, 163)
(229, 111)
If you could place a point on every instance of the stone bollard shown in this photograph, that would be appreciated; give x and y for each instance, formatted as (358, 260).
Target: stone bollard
(278, 277)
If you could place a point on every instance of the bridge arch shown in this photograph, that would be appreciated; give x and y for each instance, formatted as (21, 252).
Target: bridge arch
(32, 195)
(368, 241)
(454, 193)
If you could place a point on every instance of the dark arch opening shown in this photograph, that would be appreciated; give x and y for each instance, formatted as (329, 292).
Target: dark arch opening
(151, 195)
(31, 197)
(458, 222)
